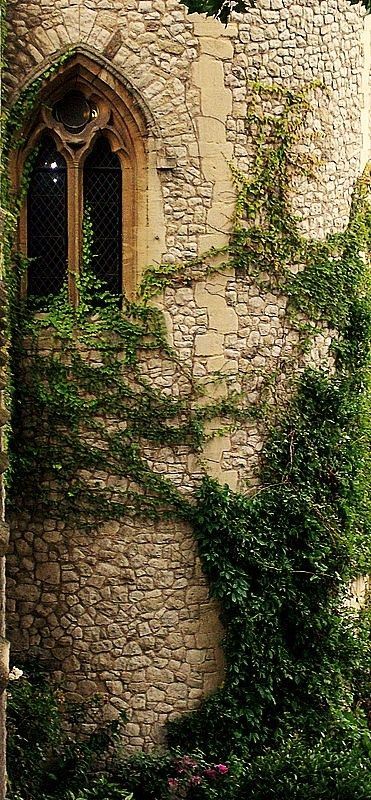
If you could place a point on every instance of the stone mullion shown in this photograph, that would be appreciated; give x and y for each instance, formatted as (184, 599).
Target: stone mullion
(129, 227)
(74, 225)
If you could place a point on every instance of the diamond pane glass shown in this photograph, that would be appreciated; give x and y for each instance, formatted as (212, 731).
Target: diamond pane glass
(47, 222)
(103, 197)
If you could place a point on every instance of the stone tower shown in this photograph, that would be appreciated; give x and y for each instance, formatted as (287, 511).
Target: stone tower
(127, 611)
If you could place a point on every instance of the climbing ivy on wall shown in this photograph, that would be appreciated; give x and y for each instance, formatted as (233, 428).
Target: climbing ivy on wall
(222, 9)
(279, 562)
(90, 373)
(218, 8)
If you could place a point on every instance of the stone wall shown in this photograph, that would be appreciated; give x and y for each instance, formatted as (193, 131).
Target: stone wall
(194, 76)
(4, 529)
(126, 614)
(127, 611)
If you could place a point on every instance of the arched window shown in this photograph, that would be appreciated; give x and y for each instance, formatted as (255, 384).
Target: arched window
(47, 221)
(91, 142)
(87, 174)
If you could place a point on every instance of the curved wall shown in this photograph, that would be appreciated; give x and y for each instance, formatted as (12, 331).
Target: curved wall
(128, 612)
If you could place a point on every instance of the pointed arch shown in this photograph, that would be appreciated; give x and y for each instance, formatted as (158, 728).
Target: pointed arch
(96, 65)
(121, 116)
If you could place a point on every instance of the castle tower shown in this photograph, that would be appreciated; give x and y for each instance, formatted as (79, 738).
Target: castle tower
(157, 105)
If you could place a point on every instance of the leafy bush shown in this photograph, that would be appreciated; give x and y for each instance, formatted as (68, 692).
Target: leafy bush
(334, 768)
(46, 758)
(100, 788)
(333, 765)
(175, 775)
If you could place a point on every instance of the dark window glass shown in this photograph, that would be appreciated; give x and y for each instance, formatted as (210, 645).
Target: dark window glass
(47, 221)
(103, 198)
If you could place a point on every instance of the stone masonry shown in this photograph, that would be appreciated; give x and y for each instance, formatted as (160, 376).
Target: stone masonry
(127, 612)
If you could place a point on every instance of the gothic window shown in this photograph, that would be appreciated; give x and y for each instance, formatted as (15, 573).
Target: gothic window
(89, 146)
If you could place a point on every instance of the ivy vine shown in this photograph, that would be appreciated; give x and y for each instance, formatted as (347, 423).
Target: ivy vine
(280, 562)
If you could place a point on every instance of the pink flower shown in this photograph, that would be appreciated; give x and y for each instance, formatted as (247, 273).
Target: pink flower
(210, 772)
(172, 784)
(222, 768)
(196, 780)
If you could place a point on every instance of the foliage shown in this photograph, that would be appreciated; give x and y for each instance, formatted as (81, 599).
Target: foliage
(280, 562)
(100, 788)
(292, 705)
(47, 757)
(222, 9)
(67, 436)
(277, 564)
(177, 775)
(218, 8)
(334, 766)
(47, 761)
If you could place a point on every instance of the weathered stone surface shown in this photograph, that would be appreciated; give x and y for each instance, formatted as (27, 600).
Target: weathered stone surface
(48, 572)
(4, 538)
(127, 611)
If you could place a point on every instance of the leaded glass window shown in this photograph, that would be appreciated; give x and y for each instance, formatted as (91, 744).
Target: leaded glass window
(47, 221)
(103, 198)
(90, 153)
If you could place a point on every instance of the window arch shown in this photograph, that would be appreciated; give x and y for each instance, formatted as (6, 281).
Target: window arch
(96, 129)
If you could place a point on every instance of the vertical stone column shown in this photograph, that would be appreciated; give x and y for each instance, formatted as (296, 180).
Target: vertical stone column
(4, 532)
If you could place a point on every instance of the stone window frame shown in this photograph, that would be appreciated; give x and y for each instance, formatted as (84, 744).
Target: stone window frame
(121, 122)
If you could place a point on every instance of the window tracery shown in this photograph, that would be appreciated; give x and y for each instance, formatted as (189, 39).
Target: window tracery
(100, 141)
